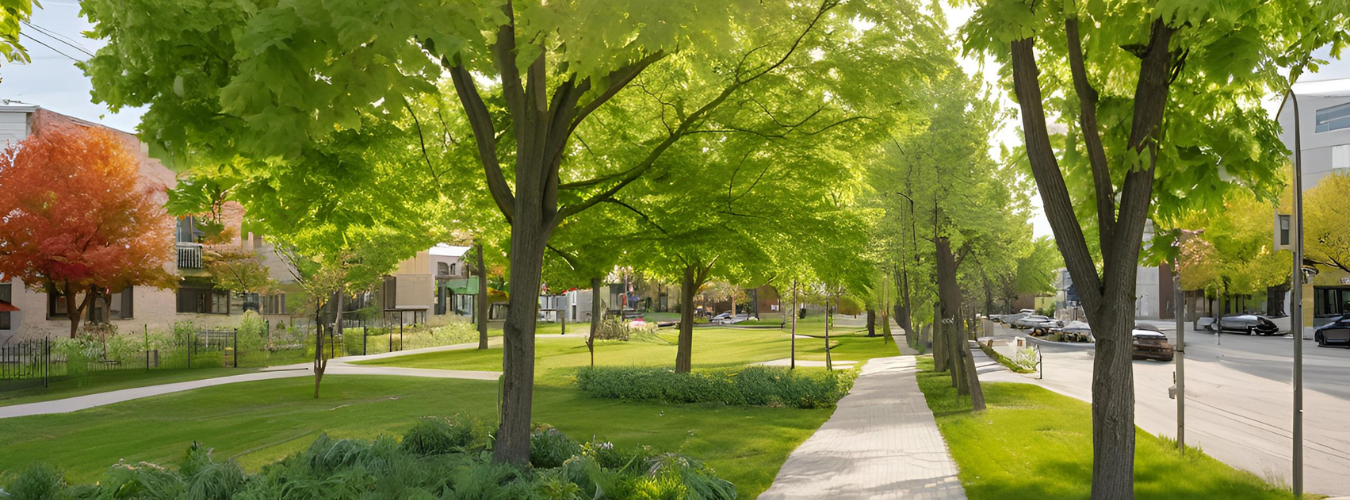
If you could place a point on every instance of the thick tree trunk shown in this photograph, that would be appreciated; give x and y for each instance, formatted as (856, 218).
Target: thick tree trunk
(684, 350)
(939, 332)
(871, 322)
(963, 364)
(528, 238)
(1113, 400)
(480, 302)
(75, 309)
(596, 314)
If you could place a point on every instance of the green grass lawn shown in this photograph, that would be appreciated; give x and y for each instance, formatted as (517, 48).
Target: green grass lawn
(260, 422)
(1034, 444)
(557, 358)
(107, 381)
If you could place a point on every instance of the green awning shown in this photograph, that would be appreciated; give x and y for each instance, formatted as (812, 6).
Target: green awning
(463, 286)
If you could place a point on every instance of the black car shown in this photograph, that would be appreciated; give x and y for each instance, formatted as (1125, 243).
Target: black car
(1250, 324)
(1334, 333)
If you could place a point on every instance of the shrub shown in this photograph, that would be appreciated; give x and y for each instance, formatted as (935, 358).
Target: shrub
(751, 386)
(332, 469)
(550, 448)
(37, 482)
(435, 436)
(252, 333)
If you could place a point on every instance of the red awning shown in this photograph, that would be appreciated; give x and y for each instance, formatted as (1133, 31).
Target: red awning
(7, 307)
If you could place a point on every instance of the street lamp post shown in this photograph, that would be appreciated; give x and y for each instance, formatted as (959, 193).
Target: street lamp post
(1296, 308)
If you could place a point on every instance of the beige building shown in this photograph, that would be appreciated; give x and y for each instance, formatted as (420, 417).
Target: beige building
(28, 313)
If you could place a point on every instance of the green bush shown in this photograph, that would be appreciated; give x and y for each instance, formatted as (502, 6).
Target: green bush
(37, 482)
(550, 448)
(436, 436)
(333, 469)
(251, 336)
(751, 386)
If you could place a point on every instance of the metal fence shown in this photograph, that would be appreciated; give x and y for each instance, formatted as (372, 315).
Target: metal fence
(39, 361)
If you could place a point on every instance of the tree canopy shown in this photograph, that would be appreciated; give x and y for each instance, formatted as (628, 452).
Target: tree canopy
(79, 219)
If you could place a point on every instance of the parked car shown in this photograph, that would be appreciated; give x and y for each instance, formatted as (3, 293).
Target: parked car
(1149, 343)
(1334, 333)
(1035, 321)
(1250, 324)
(1075, 331)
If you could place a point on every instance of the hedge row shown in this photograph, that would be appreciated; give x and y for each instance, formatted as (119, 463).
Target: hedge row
(751, 386)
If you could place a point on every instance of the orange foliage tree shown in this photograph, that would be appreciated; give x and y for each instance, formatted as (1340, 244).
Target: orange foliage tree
(74, 220)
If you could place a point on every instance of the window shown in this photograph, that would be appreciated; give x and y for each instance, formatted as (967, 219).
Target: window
(203, 301)
(1333, 118)
(442, 269)
(5, 321)
(6, 292)
(110, 307)
(452, 269)
(56, 304)
(186, 231)
(274, 304)
(1284, 229)
(1340, 156)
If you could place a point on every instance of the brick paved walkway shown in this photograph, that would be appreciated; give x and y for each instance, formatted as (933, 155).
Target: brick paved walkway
(881, 443)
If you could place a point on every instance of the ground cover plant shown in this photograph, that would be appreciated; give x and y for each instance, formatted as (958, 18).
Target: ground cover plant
(442, 458)
(258, 423)
(1033, 443)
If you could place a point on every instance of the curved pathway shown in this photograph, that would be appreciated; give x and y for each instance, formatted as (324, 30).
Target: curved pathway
(336, 366)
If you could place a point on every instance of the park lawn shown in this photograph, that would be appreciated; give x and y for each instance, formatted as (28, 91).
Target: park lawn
(259, 422)
(1034, 444)
(556, 359)
(62, 388)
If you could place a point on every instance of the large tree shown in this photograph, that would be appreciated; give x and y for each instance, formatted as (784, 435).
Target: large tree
(1155, 97)
(272, 80)
(1232, 253)
(1326, 239)
(79, 220)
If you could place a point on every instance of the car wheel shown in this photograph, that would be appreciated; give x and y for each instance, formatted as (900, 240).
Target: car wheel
(1251, 331)
(1321, 342)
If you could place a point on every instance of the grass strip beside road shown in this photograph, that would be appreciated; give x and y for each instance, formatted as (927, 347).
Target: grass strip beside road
(1034, 444)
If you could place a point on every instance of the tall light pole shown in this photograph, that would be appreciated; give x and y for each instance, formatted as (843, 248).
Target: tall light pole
(1296, 308)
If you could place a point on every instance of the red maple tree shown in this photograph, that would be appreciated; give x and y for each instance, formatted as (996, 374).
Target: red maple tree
(74, 218)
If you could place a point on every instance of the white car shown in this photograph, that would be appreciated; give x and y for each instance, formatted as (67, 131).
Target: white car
(1035, 321)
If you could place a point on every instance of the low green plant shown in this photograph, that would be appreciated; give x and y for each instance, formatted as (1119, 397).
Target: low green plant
(456, 434)
(38, 482)
(750, 386)
(550, 448)
(251, 336)
(444, 462)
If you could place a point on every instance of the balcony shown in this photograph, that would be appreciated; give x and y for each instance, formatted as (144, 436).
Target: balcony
(189, 255)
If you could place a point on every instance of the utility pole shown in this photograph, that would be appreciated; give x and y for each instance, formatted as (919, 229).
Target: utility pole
(1296, 308)
(1177, 298)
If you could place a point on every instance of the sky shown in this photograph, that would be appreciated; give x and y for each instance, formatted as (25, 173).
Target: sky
(52, 81)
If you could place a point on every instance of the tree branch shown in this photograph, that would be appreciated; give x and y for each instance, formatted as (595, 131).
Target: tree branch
(1049, 178)
(1087, 119)
(481, 123)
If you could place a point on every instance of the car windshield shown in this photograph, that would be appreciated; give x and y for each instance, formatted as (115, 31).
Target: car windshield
(1150, 328)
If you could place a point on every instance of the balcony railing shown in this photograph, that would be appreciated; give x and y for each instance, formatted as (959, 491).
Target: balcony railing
(189, 255)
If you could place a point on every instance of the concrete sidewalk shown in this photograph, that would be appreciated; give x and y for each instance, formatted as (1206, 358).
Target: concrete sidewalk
(881, 443)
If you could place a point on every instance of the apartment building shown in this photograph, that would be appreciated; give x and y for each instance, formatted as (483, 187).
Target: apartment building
(1324, 114)
(27, 313)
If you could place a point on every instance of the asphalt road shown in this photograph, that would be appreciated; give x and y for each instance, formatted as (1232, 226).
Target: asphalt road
(1239, 401)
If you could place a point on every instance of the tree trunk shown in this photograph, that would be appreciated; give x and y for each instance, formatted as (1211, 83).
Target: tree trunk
(596, 314)
(829, 318)
(939, 332)
(871, 322)
(320, 363)
(528, 238)
(949, 292)
(903, 310)
(684, 350)
(1113, 398)
(480, 302)
(792, 361)
(75, 309)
